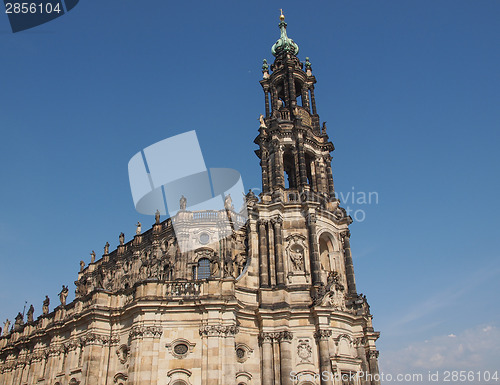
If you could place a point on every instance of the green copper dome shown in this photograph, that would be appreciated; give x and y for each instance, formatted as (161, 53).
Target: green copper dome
(284, 43)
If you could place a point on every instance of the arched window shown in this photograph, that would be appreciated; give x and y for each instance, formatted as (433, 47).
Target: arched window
(203, 268)
(298, 93)
(289, 168)
(310, 170)
(325, 248)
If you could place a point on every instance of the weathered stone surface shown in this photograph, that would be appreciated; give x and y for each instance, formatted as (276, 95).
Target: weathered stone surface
(244, 306)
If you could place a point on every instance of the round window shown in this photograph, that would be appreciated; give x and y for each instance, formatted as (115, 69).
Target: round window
(180, 349)
(240, 353)
(204, 238)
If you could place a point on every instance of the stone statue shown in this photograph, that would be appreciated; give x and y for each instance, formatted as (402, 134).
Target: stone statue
(82, 266)
(297, 260)
(183, 203)
(46, 303)
(262, 122)
(157, 217)
(241, 259)
(6, 326)
(106, 248)
(214, 269)
(228, 266)
(92, 256)
(172, 250)
(250, 195)
(63, 295)
(138, 230)
(18, 324)
(31, 310)
(122, 239)
(228, 202)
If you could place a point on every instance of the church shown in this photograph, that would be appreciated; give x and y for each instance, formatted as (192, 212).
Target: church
(265, 298)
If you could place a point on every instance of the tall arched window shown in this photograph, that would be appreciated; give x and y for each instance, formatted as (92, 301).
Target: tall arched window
(203, 268)
(310, 170)
(325, 248)
(289, 168)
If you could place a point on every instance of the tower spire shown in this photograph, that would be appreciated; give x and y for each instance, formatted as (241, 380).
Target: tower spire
(294, 150)
(284, 43)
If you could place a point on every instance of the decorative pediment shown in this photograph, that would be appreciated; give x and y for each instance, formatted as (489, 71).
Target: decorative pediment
(205, 253)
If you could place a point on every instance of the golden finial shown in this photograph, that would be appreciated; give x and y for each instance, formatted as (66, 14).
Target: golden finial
(282, 17)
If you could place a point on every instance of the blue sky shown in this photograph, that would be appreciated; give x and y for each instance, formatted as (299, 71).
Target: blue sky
(410, 92)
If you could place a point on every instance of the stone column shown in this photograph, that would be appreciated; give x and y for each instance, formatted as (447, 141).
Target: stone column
(213, 372)
(92, 358)
(297, 167)
(291, 82)
(373, 360)
(264, 268)
(213, 359)
(229, 370)
(285, 340)
(142, 353)
(35, 365)
(360, 349)
(324, 178)
(322, 336)
(24, 372)
(53, 360)
(272, 258)
(266, 342)
(331, 189)
(8, 375)
(27, 371)
(305, 99)
(264, 164)
(313, 100)
(278, 245)
(349, 268)
(273, 99)
(287, 95)
(276, 359)
(302, 162)
(313, 248)
(18, 372)
(72, 348)
(31, 368)
(266, 95)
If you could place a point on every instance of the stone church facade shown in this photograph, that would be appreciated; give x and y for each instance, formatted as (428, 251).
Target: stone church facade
(269, 298)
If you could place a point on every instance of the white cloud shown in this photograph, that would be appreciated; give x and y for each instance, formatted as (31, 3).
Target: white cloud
(472, 349)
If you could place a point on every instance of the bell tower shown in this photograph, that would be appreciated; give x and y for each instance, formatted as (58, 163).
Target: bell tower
(299, 238)
(293, 148)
